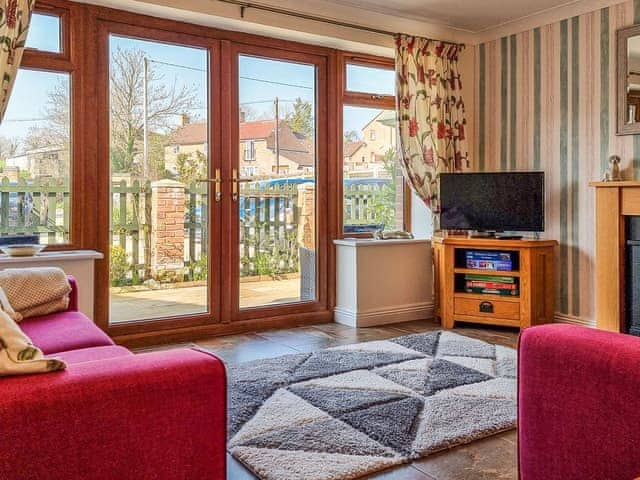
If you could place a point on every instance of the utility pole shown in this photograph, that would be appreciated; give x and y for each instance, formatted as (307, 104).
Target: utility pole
(145, 127)
(276, 102)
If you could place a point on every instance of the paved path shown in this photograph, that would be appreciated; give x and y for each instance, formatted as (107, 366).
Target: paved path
(191, 300)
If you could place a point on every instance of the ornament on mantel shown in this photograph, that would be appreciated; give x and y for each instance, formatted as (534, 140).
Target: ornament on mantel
(612, 174)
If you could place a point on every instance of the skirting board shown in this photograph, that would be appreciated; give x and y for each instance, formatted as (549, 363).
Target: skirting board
(421, 311)
(564, 318)
(383, 316)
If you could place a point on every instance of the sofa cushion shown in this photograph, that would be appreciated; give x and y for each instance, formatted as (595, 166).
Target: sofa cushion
(64, 331)
(92, 354)
(18, 356)
(37, 291)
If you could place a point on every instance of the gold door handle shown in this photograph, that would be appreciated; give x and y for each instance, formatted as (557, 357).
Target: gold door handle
(235, 180)
(217, 181)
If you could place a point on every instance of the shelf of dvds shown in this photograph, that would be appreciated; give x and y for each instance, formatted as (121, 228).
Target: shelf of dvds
(472, 271)
(494, 281)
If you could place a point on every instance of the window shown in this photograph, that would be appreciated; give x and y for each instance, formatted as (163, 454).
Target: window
(45, 33)
(36, 153)
(249, 171)
(368, 79)
(373, 189)
(249, 151)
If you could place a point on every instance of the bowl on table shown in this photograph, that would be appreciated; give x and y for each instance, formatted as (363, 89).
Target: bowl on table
(23, 250)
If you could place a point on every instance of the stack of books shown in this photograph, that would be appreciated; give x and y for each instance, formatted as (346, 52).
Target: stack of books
(494, 284)
(487, 260)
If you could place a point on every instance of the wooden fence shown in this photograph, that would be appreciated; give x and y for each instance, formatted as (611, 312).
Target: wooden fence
(364, 203)
(35, 209)
(131, 228)
(269, 218)
(268, 229)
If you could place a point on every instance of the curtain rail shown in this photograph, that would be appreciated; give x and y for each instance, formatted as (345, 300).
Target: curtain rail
(282, 11)
(267, 8)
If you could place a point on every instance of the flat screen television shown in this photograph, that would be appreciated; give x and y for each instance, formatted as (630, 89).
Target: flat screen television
(492, 202)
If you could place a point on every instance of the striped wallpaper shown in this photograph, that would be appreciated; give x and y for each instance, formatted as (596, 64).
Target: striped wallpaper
(545, 99)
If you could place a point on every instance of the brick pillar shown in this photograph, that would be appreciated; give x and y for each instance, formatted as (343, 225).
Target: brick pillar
(307, 215)
(167, 230)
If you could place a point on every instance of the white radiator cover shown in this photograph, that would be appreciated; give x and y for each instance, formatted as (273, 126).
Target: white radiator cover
(383, 281)
(79, 263)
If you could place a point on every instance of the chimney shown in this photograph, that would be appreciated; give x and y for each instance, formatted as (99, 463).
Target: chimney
(243, 116)
(184, 119)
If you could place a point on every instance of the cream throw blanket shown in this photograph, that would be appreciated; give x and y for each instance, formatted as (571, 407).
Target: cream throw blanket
(18, 356)
(31, 292)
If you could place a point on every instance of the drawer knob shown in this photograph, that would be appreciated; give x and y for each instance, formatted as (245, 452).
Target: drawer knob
(486, 307)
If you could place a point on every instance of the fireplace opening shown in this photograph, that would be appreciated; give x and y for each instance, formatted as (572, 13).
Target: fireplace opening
(632, 288)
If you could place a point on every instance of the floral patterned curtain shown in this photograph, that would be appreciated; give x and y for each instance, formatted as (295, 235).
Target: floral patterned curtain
(15, 16)
(431, 118)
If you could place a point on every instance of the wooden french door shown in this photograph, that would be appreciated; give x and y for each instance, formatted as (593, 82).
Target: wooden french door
(160, 193)
(213, 175)
(277, 215)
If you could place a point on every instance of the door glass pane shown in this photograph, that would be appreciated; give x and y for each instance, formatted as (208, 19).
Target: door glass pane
(35, 158)
(158, 151)
(277, 203)
(373, 186)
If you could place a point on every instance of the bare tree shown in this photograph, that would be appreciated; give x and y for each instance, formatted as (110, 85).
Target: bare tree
(126, 94)
(351, 136)
(56, 130)
(252, 114)
(57, 110)
(8, 147)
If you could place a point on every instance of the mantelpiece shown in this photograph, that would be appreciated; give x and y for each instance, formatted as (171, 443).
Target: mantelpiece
(614, 202)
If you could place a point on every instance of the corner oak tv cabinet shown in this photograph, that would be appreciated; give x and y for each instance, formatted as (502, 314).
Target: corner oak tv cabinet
(532, 273)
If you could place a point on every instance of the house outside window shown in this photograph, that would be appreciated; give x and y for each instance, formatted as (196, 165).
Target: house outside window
(372, 135)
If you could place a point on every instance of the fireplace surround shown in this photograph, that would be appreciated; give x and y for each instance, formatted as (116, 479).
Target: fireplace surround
(617, 262)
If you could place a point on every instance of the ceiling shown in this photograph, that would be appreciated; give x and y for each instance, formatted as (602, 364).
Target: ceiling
(471, 15)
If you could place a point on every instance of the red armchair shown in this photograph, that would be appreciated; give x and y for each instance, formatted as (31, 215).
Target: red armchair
(578, 404)
(112, 414)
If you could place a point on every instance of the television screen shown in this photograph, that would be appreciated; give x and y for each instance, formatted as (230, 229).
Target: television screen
(500, 202)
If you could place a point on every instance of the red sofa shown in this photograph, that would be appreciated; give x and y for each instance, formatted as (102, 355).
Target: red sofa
(111, 414)
(578, 404)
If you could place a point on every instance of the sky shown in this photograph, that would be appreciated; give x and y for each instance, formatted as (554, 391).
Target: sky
(261, 80)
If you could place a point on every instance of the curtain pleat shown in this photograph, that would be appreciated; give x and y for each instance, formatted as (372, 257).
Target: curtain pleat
(431, 115)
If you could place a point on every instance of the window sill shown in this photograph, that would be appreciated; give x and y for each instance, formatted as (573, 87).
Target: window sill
(53, 256)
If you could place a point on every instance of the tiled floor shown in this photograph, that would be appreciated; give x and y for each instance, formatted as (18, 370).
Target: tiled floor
(488, 459)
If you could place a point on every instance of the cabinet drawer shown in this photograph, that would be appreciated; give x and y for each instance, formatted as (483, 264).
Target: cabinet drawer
(487, 308)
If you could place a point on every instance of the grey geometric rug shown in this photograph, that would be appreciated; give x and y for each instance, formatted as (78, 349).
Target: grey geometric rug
(348, 411)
